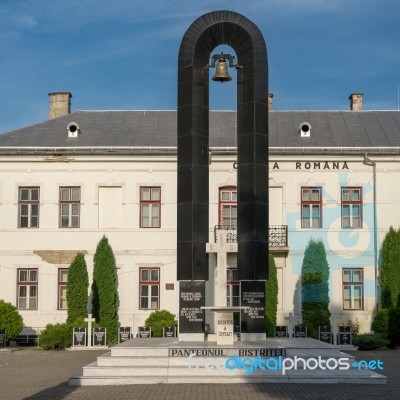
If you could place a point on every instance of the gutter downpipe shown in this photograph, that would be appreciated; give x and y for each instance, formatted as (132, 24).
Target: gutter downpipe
(372, 164)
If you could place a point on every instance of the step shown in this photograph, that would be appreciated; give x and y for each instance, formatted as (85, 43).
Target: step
(133, 380)
(140, 351)
(151, 361)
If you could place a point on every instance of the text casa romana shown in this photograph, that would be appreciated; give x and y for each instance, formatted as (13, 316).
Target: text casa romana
(314, 165)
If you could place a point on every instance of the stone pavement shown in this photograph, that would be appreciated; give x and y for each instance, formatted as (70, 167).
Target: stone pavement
(36, 375)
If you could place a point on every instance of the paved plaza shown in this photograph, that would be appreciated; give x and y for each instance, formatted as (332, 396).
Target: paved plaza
(35, 374)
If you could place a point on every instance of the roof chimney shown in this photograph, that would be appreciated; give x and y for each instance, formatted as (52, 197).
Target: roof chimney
(270, 96)
(60, 104)
(356, 101)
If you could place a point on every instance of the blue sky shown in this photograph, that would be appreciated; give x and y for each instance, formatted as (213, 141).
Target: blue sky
(122, 54)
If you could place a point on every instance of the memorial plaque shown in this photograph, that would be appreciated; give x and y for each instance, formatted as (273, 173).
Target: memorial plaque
(79, 336)
(169, 331)
(2, 338)
(224, 328)
(124, 333)
(281, 331)
(300, 331)
(344, 335)
(253, 296)
(99, 337)
(144, 332)
(325, 334)
(191, 299)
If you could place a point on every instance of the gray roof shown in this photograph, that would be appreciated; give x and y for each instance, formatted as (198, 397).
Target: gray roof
(158, 128)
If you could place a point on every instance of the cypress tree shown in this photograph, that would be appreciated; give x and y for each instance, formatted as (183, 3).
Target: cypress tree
(271, 298)
(315, 287)
(390, 269)
(77, 289)
(104, 290)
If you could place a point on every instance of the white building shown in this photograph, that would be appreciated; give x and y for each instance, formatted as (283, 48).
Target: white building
(70, 180)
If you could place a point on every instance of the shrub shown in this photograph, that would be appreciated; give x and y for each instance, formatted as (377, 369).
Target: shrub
(104, 289)
(355, 326)
(59, 336)
(56, 337)
(271, 298)
(370, 341)
(380, 324)
(10, 320)
(77, 288)
(158, 319)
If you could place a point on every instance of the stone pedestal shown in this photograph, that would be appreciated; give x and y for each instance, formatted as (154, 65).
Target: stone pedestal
(224, 328)
(191, 315)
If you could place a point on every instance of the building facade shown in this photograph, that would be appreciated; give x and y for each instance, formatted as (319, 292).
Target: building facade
(70, 180)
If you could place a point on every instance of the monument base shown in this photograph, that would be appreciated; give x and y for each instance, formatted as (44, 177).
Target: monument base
(252, 337)
(212, 337)
(191, 337)
(167, 360)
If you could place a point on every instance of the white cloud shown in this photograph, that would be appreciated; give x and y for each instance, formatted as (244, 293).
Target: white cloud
(60, 14)
(24, 21)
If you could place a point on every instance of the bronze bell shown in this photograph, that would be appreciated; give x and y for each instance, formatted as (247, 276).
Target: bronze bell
(221, 73)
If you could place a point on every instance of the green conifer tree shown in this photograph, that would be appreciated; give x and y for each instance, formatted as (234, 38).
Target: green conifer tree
(271, 298)
(390, 269)
(77, 289)
(104, 290)
(315, 287)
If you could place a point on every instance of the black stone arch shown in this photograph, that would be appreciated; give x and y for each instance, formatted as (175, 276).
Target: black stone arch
(206, 33)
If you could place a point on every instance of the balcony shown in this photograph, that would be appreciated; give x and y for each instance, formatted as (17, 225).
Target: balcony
(277, 236)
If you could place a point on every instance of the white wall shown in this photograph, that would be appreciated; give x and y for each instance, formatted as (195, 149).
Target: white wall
(135, 247)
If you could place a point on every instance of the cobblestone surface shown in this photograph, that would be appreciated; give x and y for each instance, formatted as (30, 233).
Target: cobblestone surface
(36, 375)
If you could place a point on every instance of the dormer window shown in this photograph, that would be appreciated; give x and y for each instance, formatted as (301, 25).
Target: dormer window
(73, 130)
(305, 129)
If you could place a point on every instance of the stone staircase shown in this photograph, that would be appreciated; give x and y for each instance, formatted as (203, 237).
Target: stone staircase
(166, 360)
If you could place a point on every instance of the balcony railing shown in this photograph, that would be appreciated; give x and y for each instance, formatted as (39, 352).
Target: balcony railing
(277, 234)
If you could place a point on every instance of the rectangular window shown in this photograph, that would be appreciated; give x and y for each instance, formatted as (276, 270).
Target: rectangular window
(353, 289)
(70, 204)
(228, 207)
(150, 207)
(149, 288)
(27, 289)
(232, 288)
(311, 207)
(28, 206)
(62, 288)
(351, 207)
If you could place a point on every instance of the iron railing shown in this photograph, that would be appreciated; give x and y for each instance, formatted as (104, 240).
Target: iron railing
(277, 234)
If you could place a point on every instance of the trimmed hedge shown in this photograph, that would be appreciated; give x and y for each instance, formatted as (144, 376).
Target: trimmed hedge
(77, 288)
(315, 289)
(380, 323)
(390, 271)
(394, 326)
(271, 298)
(104, 290)
(370, 341)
